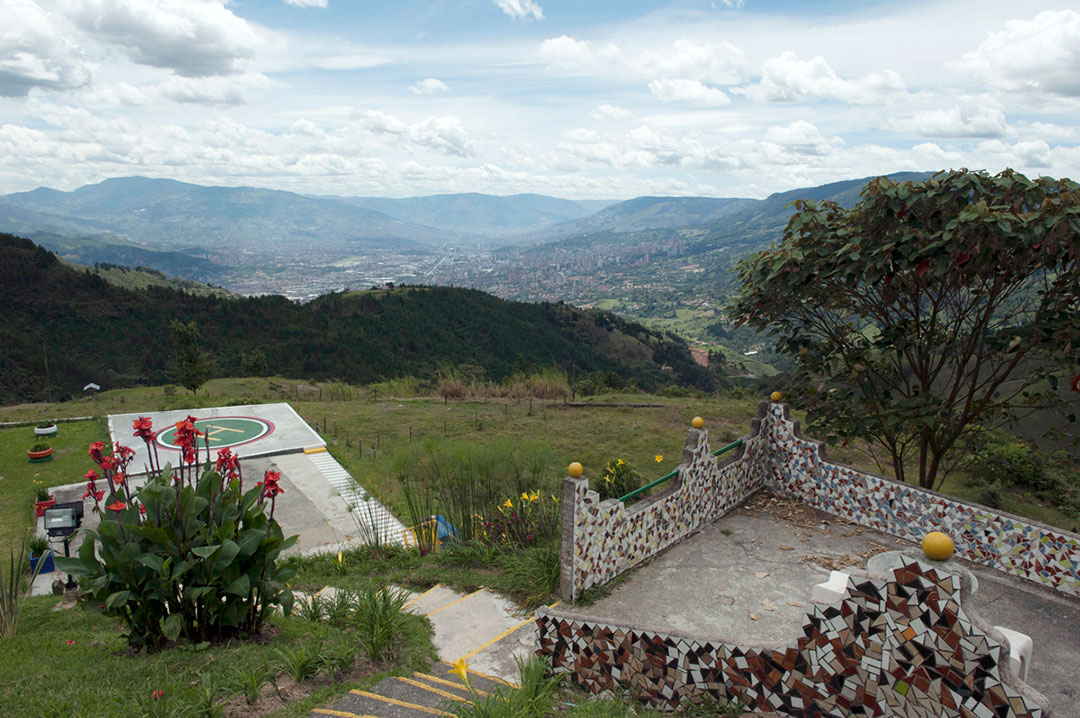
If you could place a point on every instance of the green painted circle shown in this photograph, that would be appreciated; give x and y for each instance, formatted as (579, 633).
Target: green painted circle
(222, 431)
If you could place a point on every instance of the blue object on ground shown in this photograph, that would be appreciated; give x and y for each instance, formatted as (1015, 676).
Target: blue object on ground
(444, 530)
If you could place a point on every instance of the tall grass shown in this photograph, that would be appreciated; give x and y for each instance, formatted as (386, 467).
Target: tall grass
(11, 590)
(467, 483)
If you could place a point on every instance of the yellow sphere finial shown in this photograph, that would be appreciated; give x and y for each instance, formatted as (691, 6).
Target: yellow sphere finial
(776, 396)
(575, 470)
(698, 423)
(937, 546)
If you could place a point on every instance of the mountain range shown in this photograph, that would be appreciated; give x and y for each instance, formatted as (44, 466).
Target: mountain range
(174, 226)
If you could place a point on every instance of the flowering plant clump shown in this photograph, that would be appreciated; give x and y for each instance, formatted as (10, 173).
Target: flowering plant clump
(618, 479)
(190, 554)
(528, 520)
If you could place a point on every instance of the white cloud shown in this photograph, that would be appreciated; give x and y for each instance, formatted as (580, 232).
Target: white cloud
(194, 38)
(786, 78)
(801, 137)
(214, 90)
(717, 63)
(34, 52)
(1040, 55)
(566, 53)
(689, 91)
(442, 134)
(307, 3)
(521, 9)
(970, 117)
(610, 112)
(429, 85)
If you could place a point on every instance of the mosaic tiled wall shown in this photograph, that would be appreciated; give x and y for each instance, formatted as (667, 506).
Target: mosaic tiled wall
(601, 539)
(902, 645)
(1039, 553)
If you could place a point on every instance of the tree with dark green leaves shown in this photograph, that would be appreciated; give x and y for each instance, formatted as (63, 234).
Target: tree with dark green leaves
(927, 311)
(189, 362)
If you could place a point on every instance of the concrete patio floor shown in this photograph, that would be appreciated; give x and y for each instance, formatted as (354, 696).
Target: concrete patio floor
(748, 578)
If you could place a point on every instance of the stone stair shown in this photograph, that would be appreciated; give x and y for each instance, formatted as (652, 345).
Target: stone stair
(482, 627)
(434, 693)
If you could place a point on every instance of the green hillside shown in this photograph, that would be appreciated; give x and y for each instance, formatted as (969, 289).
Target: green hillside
(87, 330)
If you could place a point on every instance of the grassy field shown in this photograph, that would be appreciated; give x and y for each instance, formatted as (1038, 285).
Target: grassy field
(76, 663)
(17, 473)
(369, 428)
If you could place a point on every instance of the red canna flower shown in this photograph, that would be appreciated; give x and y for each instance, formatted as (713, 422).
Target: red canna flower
(95, 451)
(92, 490)
(117, 505)
(158, 694)
(270, 484)
(123, 453)
(144, 428)
(228, 464)
(91, 475)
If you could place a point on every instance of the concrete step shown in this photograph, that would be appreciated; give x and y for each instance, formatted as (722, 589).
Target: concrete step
(436, 597)
(470, 623)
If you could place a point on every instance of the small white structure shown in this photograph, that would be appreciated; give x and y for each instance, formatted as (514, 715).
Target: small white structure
(831, 591)
(91, 387)
(1020, 646)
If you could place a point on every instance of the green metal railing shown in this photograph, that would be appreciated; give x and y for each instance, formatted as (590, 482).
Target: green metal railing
(673, 474)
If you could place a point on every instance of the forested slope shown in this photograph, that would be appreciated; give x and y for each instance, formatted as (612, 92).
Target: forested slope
(86, 330)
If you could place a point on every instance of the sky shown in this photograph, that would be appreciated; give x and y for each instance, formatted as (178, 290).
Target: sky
(584, 100)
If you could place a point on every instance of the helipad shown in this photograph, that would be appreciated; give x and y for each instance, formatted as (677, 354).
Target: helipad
(252, 430)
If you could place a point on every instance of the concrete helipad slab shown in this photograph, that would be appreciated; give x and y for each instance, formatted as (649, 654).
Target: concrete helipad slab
(250, 430)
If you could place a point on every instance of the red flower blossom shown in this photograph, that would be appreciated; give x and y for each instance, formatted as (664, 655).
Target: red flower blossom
(107, 463)
(185, 437)
(270, 484)
(91, 475)
(117, 505)
(93, 490)
(70, 642)
(95, 451)
(922, 267)
(1074, 384)
(158, 694)
(144, 428)
(123, 453)
(228, 464)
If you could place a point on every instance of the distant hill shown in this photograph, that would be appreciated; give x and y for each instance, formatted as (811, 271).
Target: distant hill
(482, 214)
(113, 249)
(145, 277)
(89, 330)
(646, 213)
(178, 215)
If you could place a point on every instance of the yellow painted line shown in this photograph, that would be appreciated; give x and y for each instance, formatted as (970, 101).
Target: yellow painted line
(315, 450)
(445, 682)
(432, 689)
(403, 704)
(453, 603)
(503, 635)
(496, 679)
(340, 714)
(409, 603)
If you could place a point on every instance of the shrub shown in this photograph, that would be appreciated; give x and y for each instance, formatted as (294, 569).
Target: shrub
(618, 479)
(186, 556)
(11, 590)
(380, 621)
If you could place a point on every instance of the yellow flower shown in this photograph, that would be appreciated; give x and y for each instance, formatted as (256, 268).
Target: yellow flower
(659, 458)
(621, 462)
(461, 668)
(534, 495)
(340, 558)
(509, 504)
(524, 496)
(553, 498)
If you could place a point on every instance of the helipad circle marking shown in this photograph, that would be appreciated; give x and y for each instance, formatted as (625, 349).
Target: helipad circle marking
(222, 432)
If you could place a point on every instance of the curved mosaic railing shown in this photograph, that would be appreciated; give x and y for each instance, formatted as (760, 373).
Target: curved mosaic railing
(898, 645)
(601, 539)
